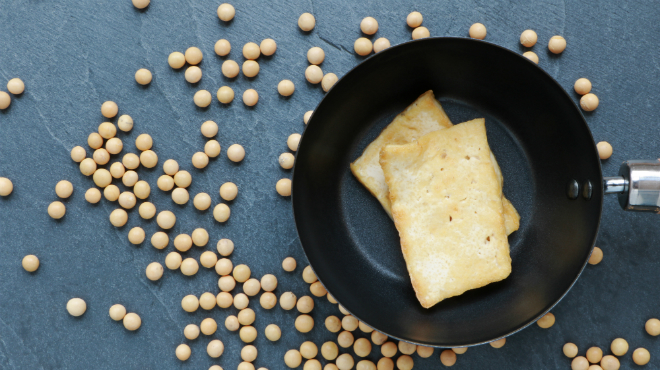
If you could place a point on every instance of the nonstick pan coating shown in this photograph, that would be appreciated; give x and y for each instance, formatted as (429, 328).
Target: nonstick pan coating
(540, 140)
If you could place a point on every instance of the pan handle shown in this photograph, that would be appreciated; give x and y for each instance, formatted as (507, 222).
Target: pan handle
(637, 186)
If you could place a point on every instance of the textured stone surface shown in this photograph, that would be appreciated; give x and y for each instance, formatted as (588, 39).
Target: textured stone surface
(73, 56)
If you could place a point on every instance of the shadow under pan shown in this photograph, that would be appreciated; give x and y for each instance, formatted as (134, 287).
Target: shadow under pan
(541, 142)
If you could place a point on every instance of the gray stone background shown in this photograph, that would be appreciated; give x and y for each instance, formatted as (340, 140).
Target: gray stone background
(74, 55)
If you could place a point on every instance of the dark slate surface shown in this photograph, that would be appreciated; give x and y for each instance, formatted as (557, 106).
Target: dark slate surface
(75, 55)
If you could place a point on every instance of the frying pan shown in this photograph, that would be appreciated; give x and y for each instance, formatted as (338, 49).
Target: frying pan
(551, 172)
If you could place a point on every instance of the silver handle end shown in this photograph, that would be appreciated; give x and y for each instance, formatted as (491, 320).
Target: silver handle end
(615, 185)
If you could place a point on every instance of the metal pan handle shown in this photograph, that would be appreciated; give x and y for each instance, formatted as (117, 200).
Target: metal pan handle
(638, 186)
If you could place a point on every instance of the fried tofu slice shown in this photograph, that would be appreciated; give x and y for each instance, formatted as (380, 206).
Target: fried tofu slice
(511, 216)
(447, 206)
(423, 116)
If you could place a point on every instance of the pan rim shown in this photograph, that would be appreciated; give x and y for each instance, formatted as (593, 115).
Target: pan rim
(555, 85)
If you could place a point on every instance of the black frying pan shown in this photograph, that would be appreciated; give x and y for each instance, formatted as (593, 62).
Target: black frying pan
(551, 174)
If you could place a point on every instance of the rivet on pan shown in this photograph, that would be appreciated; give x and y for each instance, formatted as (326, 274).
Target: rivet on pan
(587, 189)
(573, 189)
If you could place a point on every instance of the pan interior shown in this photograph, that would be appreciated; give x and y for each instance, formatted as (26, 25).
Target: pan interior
(540, 141)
